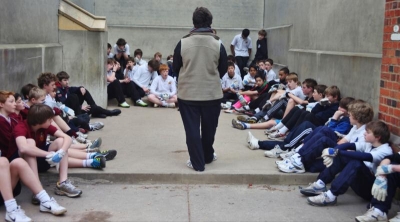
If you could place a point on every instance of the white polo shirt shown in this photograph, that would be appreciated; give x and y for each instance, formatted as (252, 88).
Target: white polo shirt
(377, 153)
(115, 51)
(160, 86)
(242, 46)
(236, 82)
(270, 75)
(143, 76)
(356, 135)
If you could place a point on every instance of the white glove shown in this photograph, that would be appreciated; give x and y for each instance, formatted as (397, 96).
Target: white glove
(379, 189)
(324, 102)
(331, 152)
(328, 161)
(384, 169)
(68, 110)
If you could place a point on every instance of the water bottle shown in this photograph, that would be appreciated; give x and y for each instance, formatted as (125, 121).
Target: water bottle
(241, 99)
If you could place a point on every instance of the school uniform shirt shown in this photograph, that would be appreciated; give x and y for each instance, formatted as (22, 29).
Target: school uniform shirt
(249, 79)
(270, 75)
(235, 82)
(110, 56)
(143, 76)
(115, 50)
(132, 72)
(141, 62)
(341, 126)
(356, 134)
(23, 129)
(378, 153)
(297, 92)
(160, 86)
(237, 70)
(242, 46)
(8, 146)
(50, 101)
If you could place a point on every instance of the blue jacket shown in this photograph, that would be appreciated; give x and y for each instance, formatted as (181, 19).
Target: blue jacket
(323, 113)
(341, 126)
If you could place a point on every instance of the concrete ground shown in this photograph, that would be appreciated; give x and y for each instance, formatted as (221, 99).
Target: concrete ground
(149, 180)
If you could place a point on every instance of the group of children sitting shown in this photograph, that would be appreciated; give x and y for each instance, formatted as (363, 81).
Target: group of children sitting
(46, 126)
(312, 128)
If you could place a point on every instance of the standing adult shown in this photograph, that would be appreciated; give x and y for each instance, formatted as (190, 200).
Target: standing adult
(200, 61)
(241, 48)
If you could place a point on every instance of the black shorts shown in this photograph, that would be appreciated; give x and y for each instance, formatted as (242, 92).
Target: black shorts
(42, 164)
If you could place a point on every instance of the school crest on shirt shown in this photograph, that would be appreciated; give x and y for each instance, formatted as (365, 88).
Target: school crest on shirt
(41, 137)
(169, 82)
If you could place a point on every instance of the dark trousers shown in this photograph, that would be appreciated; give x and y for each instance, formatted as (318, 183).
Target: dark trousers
(393, 181)
(353, 173)
(128, 90)
(200, 123)
(72, 102)
(138, 92)
(296, 116)
(260, 101)
(114, 90)
(241, 62)
(94, 108)
(228, 96)
(314, 144)
(297, 134)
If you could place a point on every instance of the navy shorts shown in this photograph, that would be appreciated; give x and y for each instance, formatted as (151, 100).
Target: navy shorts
(43, 166)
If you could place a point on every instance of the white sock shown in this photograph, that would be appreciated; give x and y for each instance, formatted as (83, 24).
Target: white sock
(266, 117)
(320, 183)
(87, 163)
(280, 125)
(10, 205)
(91, 155)
(257, 110)
(248, 126)
(43, 196)
(330, 195)
(164, 103)
(283, 130)
(378, 211)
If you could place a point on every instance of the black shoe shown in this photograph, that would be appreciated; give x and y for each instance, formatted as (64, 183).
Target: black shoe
(109, 154)
(115, 112)
(100, 116)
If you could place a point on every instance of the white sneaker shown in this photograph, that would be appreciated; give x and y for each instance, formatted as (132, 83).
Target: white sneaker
(95, 126)
(296, 161)
(288, 154)
(17, 215)
(189, 164)
(371, 215)
(170, 105)
(52, 206)
(270, 130)
(252, 142)
(321, 200)
(275, 152)
(284, 161)
(288, 167)
(396, 218)
(215, 157)
(80, 134)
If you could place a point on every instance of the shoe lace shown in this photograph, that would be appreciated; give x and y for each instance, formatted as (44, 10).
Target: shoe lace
(68, 184)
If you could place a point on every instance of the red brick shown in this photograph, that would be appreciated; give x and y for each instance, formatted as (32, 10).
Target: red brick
(396, 69)
(397, 12)
(384, 92)
(392, 94)
(390, 53)
(394, 61)
(387, 29)
(388, 85)
(385, 76)
(383, 108)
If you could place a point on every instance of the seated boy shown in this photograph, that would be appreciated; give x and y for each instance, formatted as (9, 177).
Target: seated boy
(13, 168)
(114, 88)
(387, 181)
(110, 55)
(138, 56)
(357, 169)
(163, 89)
(270, 73)
(249, 80)
(232, 58)
(142, 79)
(64, 95)
(231, 84)
(121, 51)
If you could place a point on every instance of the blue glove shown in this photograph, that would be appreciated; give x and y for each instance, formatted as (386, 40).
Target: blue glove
(384, 169)
(331, 152)
(379, 189)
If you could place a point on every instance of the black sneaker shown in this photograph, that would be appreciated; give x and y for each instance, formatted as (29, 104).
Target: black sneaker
(35, 200)
(109, 154)
(99, 162)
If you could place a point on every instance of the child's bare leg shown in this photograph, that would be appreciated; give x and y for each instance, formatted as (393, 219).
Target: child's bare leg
(154, 99)
(55, 146)
(5, 179)
(80, 146)
(173, 99)
(264, 125)
(61, 123)
(77, 154)
(291, 103)
(277, 95)
(20, 169)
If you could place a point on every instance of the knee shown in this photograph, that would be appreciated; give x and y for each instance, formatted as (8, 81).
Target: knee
(4, 163)
(18, 163)
(290, 101)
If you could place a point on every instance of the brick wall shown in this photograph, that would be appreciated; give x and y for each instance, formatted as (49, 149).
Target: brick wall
(389, 99)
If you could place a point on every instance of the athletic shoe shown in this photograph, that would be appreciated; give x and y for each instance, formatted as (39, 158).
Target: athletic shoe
(53, 207)
(189, 164)
(252, 142)
(93, 150)
(396, 218)
(247, 119)
(66, 188)
(109, 154)
(95, 143)
(372, 215)
(287, 155)
(284, 161)
(114, 112)
(246, 69)
(321, 200)
(96, 126)
(82, 135)
(240, 110)
(80, 139)
(275, 152)
(170, 105)
(238, 125)
(312, 190)
(224, 106)
(35, 200)
(124, 105)
(17, 215)
(141, 103)
(270, 130)
(277, 136)
(155, 105)
(288, 167)
(99, 162)
(215, 157)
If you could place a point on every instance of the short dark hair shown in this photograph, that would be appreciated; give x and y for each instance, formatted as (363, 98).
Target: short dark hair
(39, 114)
(46, 78)
(17, 95)
(344, 103)
(231, 64)
(121, 41)
(26, 89)
(62, 75)
(170, 57)
(154, 64)
(320, 89)
(202, 18)
(361, 111)
(310, 83)
(333, 91)
(137, 52)
(262, 32)
(260, 73)
(231, 58)
(253, 66)
(379, 129)
(270, 61)
(109, 46)
(285, 70)
(245, 33)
